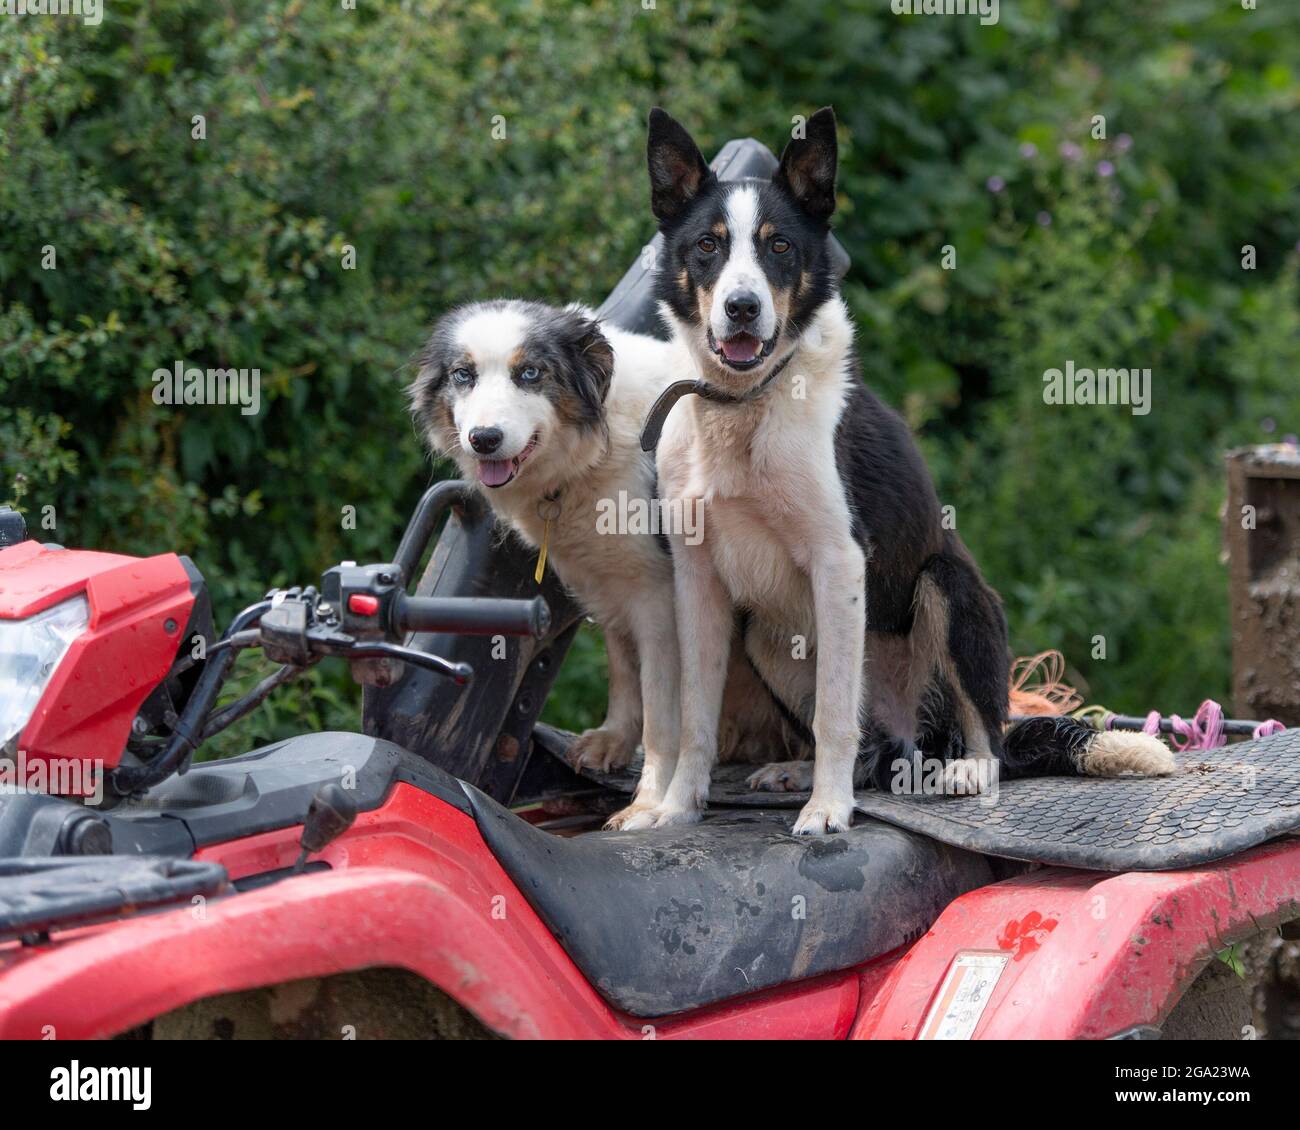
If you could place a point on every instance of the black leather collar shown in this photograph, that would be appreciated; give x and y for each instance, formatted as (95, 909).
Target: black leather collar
(654, 423)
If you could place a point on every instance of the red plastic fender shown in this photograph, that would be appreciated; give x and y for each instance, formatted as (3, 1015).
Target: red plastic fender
(1087, 955)
(138, 609)
(412, 886)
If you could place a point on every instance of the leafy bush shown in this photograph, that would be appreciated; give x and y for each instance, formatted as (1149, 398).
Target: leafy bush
(380, 130)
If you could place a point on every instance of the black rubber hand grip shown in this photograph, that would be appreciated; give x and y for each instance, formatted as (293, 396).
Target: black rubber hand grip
(472, 615)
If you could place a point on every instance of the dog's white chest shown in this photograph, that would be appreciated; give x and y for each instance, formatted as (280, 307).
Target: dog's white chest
(755, 560)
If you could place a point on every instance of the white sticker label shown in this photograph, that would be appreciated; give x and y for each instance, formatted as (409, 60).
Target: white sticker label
(963, 996)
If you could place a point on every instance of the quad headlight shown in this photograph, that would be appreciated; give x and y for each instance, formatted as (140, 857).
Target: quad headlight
(30, 652)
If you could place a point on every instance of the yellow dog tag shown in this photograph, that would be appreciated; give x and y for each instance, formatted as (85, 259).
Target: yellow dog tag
(547, 510)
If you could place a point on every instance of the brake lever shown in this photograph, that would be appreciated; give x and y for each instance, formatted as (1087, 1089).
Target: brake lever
(459, 673)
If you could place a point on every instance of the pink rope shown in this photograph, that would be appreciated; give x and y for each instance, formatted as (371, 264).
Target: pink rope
(1205, 730)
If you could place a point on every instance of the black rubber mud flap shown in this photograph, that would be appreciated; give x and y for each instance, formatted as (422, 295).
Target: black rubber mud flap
(1221, 802)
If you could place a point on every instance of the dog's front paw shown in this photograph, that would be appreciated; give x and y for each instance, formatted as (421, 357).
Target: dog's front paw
(969, 776)
(637, 817)
(820, 816)
(667, 815)
(606, 751)
(783, 776)
(629, 819)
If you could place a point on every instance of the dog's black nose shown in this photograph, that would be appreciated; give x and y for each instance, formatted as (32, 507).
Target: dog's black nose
(485, 440)
(743, 306)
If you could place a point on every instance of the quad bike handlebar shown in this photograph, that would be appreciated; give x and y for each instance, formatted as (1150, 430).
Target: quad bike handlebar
(361, 613)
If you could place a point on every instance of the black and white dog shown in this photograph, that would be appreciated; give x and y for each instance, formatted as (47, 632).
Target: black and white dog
(866, 617)
(542, 407)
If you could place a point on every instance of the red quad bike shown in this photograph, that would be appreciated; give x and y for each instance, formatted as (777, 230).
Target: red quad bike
(444, 872)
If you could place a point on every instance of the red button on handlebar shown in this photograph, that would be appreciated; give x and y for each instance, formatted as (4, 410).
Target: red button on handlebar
(362, 604)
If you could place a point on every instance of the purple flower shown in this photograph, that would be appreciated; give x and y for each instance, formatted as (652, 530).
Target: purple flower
(1268, 425)
(1070, 151)
(995, 184)
(1044, 219)
(1028, 150)
(1291, 441)
(1105, 169)
(1123, 143)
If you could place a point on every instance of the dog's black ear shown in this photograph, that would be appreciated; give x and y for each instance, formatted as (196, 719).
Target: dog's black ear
(591, 362)
(809, 163)
(431, 369)
(677, 167)
(430, 376)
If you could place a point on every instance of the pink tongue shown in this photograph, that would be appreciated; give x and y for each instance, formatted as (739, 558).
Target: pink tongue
(494, 472)
(742, 347)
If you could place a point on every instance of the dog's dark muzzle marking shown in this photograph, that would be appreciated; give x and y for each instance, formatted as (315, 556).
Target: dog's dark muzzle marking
(653, 427)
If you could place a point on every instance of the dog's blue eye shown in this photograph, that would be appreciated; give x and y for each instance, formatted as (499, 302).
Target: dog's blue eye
(529, 375)
(462, 376)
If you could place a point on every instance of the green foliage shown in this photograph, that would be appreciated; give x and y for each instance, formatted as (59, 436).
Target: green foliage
(578, 698)
(1234, 958)
(328, 129)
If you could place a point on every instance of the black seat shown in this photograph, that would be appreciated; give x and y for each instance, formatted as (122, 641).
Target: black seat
(670, 919)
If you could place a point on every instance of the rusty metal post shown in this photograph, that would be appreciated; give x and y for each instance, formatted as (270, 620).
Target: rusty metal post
(1262, 536)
